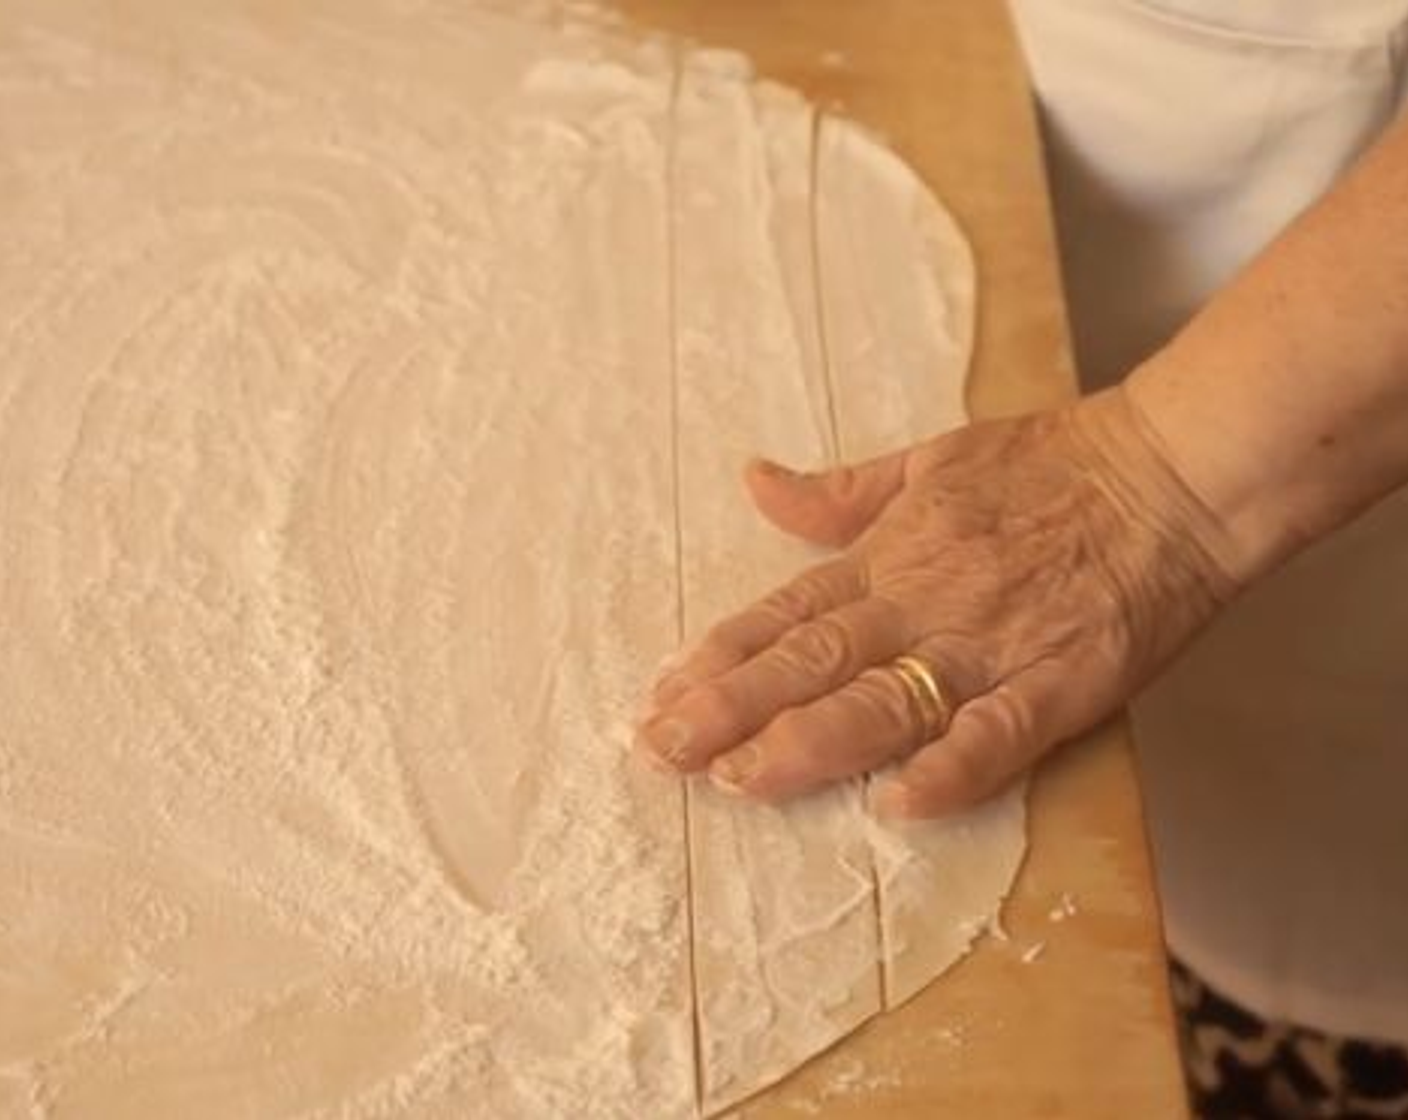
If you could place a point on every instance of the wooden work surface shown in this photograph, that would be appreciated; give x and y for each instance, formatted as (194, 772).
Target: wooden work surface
(1085, 1030)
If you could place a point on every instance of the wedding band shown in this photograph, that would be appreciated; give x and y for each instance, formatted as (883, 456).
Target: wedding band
(928, 698)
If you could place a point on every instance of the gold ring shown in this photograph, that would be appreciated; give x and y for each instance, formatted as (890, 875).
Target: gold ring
(928, 697)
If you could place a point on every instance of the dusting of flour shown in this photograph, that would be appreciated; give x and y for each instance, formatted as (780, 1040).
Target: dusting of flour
(338, 496)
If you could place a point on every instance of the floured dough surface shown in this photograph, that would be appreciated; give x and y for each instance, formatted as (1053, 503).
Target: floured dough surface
(376, 376)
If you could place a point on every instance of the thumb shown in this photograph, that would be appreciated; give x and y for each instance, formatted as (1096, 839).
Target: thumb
(830, 507)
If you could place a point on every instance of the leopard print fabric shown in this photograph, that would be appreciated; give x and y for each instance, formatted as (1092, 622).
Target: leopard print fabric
(1242, 1068)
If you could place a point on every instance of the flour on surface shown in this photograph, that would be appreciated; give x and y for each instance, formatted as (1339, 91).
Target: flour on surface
(1064, 909)
(337, 507)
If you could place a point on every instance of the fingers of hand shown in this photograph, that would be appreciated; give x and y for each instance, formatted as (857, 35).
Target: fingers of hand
(806, 662)
(829, 507)
(734, 640)
(862, 726)
(991, 740)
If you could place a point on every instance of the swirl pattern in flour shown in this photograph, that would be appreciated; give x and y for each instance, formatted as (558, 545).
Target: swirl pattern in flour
(340, 481)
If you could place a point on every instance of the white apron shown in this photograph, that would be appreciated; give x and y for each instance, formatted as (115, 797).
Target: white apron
(1182, 135)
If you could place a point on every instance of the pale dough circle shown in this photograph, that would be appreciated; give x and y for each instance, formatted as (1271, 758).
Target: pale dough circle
(376, 379)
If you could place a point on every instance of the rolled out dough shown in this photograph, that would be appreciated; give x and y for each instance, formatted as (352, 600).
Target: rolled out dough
(376, 379)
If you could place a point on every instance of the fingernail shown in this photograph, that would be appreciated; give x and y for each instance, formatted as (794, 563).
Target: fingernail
(775, 470)
(667, 740)
(734, 770)
(646, 710)
(894, 800)
(669, 664)
(655, 762)
(649, 706)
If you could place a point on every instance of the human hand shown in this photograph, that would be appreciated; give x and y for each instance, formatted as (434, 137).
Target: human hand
(1042, 568)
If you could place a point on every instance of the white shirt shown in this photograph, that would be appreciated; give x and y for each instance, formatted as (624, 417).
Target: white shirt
(1182, 136)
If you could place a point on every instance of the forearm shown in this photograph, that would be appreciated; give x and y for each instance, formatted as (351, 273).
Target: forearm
(1284, 403)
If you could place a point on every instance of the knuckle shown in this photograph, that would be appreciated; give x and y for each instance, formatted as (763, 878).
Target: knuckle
(824, 648)
(800, 745)
(714, 705)
(1008, 718)
(810, 592)
(792, 601)
(889, 704)
(971, 772)
(721, 642)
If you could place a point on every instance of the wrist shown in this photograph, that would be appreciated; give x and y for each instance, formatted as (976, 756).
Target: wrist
(1225, 457)
(1141, 475)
